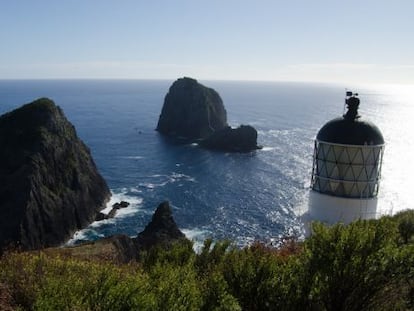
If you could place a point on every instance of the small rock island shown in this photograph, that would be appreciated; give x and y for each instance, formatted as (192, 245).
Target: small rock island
(197, 113)
(241, 139)
(191, 110)
(49, 184)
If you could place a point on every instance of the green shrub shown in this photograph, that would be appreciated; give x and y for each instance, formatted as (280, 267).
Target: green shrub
(216, 295)
(349, 266)
(366, 265)
(212, 255)
(175, 287)
(43, 283)
(405, 222)
(179, 253)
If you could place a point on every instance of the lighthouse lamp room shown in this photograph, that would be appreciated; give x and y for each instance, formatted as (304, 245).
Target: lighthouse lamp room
(346, 169)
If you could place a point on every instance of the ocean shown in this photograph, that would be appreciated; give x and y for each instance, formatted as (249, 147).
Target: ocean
(241, 197)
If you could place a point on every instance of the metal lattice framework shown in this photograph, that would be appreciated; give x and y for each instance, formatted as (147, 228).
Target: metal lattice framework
(351, 171)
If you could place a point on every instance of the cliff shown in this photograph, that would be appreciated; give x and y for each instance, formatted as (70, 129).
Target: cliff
(49, 184)
(191, 110)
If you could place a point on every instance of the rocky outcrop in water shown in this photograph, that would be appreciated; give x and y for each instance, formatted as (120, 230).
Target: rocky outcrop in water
(115, 207)
(191, 110)
(162, 230)
(195, 112)
(241, 139)
(49, 184)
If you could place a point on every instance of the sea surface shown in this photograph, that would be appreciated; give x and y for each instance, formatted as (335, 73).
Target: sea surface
(242, 197)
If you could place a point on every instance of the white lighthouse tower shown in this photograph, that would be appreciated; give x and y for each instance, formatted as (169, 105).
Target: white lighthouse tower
(346, 168)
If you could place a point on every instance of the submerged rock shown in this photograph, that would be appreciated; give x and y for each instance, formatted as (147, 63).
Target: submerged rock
(241, 139)
(49, 184)
(191, 110)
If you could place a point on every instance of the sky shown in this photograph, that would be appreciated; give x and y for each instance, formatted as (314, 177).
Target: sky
(310, 40)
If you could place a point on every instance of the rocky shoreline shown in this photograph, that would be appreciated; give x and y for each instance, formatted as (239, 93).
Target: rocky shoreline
(50, 186)
(161, 231)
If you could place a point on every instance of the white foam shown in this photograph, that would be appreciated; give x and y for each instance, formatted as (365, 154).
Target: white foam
(157, 175)
(177, 176)
(97, 224)
(133, 157)
(135, 190)
(147, 185)
(268, 148)
(164, 180)
(122, 196)
(197, 236)
(134, 206)
(194, 233)
(79, 235)
(83, 235)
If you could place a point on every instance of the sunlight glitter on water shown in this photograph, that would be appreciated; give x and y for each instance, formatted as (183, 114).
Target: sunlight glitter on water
(394, 115)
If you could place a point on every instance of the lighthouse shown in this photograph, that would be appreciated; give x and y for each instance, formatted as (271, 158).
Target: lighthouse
(346, 169)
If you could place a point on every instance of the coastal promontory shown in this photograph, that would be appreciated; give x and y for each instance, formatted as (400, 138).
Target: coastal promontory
(191, 110)
(49, 183)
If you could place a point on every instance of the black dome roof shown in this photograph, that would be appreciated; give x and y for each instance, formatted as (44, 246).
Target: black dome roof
(350, 132)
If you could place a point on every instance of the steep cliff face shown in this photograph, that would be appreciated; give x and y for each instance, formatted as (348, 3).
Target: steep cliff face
(191, 110)
(49, 184)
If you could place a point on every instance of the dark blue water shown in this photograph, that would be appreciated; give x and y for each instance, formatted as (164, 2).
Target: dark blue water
(242, 197)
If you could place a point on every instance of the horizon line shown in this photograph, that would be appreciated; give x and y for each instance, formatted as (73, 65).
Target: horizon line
(210, 79)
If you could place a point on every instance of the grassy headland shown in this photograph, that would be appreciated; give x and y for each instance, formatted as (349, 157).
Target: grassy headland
(366, 265)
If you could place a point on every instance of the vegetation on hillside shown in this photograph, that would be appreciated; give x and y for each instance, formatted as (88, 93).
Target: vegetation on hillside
(367, 265)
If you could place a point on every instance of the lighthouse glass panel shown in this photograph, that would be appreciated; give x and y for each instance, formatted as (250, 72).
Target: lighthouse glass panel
(351, 171)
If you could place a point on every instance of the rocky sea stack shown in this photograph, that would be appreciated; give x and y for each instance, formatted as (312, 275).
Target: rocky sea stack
(196, 113)
(191, 110)
(241, 139)
(49, 184)
(162, 230)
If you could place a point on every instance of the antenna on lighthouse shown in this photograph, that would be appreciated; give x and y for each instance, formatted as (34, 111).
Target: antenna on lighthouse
(352, 104)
